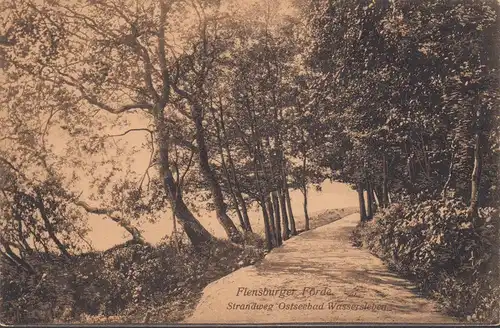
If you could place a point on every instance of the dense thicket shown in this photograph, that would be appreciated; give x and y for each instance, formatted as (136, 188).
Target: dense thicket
(412, 88)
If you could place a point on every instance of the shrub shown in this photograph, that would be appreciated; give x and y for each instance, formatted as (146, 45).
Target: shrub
(109, 285)
(451, 257)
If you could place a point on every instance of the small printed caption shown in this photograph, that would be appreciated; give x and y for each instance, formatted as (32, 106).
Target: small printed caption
(281, 293)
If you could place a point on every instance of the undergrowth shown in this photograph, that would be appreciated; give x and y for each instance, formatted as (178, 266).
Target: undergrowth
(450, 257)
(130, 283)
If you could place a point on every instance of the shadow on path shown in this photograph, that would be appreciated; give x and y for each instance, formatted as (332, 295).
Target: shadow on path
(322, 268)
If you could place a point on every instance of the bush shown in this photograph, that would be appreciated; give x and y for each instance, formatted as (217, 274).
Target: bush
(110, 285)
(436, 244)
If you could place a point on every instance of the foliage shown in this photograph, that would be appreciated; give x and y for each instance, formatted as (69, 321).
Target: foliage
(434, 243)
(414, 81)
(116, 282)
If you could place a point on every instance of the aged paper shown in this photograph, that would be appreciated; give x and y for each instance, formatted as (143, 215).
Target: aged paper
(249, 162)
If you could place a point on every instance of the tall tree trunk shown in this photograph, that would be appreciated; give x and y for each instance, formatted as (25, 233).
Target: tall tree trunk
(264, 196)
(244, 210)
(375, 201)
(239, 194)
(475, 177)
(377, 196)
(450, 171)
(385, 191)
(277, 217)
(270, 212)
(361, 198)
(286, 191)
(196, 233)
(232, 192)
(230, 177)
(209, 175)
(11, 256)
(291, 218)
(284, 216)
(267, 225)
(50, 228)
(304, 189)
(369, 196)
(306, 214)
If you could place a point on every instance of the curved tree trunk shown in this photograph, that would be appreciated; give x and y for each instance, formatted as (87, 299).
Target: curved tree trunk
(306, 213)
(267, 225)
(122, 222)
(237, 191)
(270, 210)
(369, 196)
(277, 217)
(385, 190)
(284, 216)
(361, 198)
(15, 260)
(475, 177)
(291, 218)
(209, 175)
(196, 233)
(50, 228)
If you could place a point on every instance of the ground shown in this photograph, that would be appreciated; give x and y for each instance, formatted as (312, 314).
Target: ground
(356, 286)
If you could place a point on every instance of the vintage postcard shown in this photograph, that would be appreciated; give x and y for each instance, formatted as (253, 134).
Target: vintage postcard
(249, 162)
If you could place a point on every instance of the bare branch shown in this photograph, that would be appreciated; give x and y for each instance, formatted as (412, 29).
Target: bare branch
(190, 162)
(72, 82)
(9, 164)
(148, 70)
(124, 223)
(122, 109)
(94, 210)
(151, 156)
(131, 130)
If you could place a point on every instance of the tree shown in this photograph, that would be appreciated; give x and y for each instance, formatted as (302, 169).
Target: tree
(411, 124)
(75, 34)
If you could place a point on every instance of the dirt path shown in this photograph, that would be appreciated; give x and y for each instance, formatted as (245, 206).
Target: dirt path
(356, 286)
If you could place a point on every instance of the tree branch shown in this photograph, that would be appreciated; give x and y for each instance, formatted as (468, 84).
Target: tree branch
(94, 210)
(131, 130)
(124, 223)
(72, 82)
(162, 54)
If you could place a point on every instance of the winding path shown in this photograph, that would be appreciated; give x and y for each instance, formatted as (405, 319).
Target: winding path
(325, 280)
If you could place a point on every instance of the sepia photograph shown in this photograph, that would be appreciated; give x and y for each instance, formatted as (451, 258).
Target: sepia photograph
(180, 162)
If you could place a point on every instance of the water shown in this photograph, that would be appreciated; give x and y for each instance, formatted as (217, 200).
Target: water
(106, 233)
